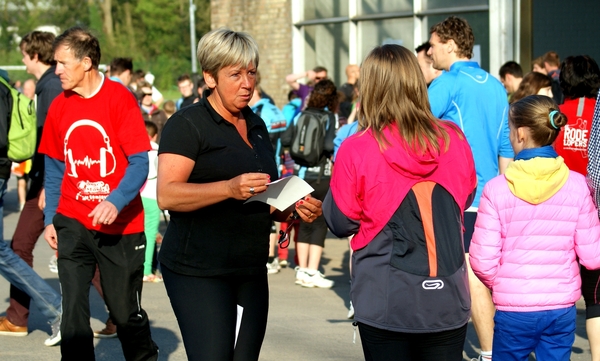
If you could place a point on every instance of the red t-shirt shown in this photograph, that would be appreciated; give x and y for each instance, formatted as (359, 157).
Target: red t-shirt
(572, 141)
(94, 136)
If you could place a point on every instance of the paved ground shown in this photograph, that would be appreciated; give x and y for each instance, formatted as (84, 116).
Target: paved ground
(304, 324)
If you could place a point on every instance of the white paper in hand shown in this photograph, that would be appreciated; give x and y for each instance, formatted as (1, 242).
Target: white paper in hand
(283, 192)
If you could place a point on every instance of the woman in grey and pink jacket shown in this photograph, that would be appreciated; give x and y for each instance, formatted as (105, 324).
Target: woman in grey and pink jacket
(535, 224)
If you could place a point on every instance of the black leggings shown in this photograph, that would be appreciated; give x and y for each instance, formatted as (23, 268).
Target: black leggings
(379, 344)
(590, 282)
(206, 310)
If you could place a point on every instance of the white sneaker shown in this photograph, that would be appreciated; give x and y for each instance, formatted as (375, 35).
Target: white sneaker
(53, 265)
(55, 338)
(273, 267)
(301, 275)
(351, 311)
(316, 279)
(482, 358)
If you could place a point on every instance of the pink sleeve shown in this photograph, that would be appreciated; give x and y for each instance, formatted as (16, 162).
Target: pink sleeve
(486, 244)
(344, 187)
(587, 234)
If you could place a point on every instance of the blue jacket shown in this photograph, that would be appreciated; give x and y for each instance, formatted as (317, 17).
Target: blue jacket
(476, 101)
(291, 109)
(272, 116)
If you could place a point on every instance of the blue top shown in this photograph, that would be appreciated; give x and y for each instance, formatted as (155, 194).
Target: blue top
(275, 122)
(291, 109)
(542, 152)
(272, 116)
(344, 132)
(476, 101)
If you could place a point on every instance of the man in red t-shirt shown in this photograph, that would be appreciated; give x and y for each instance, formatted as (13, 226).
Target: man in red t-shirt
(96, 147)
(579, 80)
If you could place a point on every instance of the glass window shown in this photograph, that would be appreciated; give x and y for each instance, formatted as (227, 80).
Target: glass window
(327, 45)
(445, 4)
(369, 7)
(480, 23)
(391, 31)
(323, 9)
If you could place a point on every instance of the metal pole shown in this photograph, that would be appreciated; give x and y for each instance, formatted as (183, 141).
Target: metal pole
(193, 36)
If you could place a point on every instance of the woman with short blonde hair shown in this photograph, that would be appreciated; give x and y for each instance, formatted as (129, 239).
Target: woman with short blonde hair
(213, 156)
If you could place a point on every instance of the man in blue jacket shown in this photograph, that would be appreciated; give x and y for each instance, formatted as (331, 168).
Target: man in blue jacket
(473, 99)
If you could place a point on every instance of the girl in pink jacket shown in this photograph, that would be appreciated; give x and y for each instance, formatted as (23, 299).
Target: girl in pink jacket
(534, 224)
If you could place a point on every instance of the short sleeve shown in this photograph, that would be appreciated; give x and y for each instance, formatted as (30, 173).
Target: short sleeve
(178, 137)
(439, 96)
(131, 131)
(506, 150)
(50, 143)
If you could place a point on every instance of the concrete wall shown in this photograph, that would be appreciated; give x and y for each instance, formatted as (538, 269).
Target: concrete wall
(270, 23)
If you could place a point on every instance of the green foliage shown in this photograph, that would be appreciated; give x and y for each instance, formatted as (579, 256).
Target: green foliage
(166, 69)
(155, 33)
(166, 27)
(68, 13)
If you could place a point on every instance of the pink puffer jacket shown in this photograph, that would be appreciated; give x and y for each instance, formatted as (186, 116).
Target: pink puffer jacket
(526, 246)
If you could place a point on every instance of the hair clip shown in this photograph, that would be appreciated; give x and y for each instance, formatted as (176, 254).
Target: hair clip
(551, 116)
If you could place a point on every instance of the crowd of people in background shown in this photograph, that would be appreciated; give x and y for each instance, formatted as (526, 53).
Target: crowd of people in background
(454, 189)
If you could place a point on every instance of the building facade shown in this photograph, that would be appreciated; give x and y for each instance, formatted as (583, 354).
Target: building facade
(296, 35)
(269, 22)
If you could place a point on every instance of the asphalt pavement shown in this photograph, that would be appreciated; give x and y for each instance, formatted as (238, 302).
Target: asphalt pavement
(304, 324)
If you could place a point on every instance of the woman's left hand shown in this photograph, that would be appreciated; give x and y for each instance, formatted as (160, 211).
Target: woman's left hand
(309, 208)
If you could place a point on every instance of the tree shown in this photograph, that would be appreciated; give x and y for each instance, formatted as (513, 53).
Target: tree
(155, 33)
(166, 38)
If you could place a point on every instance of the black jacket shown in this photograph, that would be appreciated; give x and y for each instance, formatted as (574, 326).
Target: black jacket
(5, 104)
(47, 88)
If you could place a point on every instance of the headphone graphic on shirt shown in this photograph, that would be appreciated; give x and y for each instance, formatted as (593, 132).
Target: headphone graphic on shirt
(87, 161)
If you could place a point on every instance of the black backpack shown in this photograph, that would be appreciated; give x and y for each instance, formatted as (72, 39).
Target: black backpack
(310, 139)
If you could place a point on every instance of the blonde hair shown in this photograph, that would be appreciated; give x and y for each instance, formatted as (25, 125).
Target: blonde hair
(541, 115)
(393, 91)
(223, 47)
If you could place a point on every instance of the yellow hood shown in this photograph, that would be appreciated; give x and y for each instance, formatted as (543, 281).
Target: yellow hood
(535, 180)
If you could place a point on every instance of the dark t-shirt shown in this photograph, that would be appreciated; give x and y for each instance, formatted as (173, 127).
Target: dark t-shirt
(187, 101)
(47, 88)
(230, 237)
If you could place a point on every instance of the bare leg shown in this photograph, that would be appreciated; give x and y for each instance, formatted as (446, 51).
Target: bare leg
(272, 262)
(482, 310)
(21, 191)
(592, 327)
(314, 256)
(272, 241)
(302, 250)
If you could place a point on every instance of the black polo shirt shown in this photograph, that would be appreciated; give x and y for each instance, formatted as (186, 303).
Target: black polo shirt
(229, 237)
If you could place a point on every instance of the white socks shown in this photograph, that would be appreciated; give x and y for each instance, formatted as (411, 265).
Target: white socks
(486, 356)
